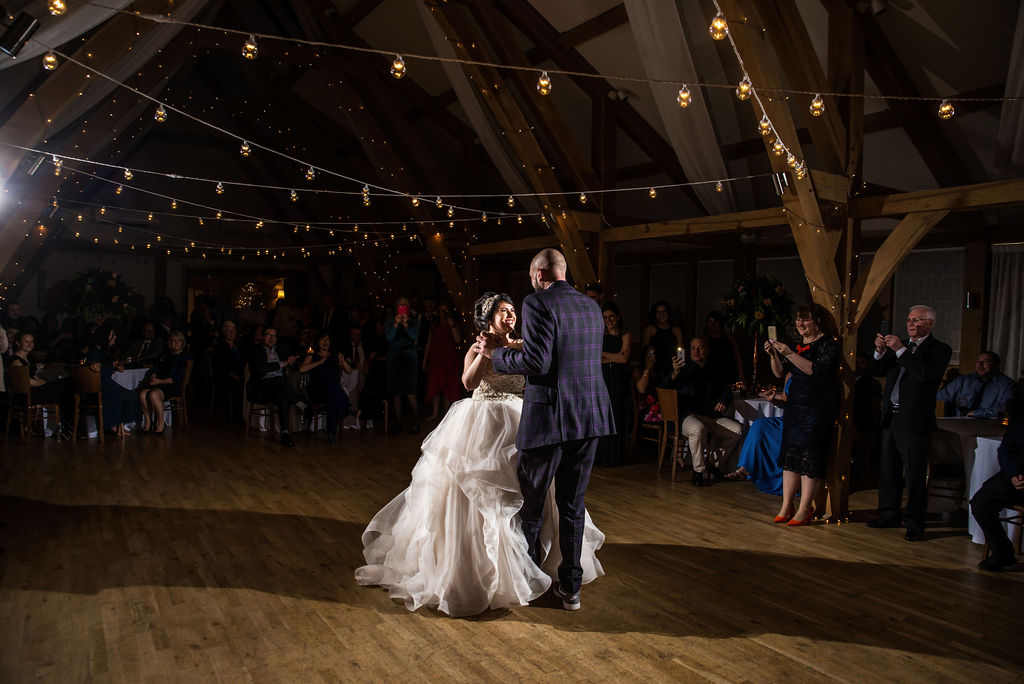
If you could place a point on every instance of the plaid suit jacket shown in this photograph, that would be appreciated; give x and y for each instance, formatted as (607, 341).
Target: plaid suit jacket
(565, 398)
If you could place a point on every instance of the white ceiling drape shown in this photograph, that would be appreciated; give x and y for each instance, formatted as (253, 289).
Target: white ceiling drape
(665, 53)
(1010, 139)
(56, 31)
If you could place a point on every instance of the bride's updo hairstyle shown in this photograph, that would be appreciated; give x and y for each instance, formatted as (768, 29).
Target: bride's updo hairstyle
(483, 310)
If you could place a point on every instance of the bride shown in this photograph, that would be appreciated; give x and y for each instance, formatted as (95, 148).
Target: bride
(452, 540)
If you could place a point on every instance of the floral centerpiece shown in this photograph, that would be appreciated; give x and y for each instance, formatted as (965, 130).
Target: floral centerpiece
(755, 303)
(97, 294)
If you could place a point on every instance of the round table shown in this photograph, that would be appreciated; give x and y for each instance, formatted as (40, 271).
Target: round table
(746, 411)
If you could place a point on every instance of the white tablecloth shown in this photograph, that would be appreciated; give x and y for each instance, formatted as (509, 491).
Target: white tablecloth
(746, 411)
(979, 441)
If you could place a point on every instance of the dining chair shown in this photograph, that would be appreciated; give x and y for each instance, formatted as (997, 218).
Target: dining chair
(88, 398)
(259, 409)
(178, 406)
(1017, 520)
(668, 399)
(21, 408)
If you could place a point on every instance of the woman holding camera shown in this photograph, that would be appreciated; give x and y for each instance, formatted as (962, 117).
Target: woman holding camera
(401, 333)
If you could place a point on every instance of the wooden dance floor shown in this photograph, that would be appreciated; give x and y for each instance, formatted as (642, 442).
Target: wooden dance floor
(206, 556)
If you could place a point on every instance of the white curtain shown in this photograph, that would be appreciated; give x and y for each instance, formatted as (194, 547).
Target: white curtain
(1010, 139)
(665, 52)
(1006, 314)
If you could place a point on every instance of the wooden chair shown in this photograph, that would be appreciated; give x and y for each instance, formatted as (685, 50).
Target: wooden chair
(641, 429)
(178, 406)
(668, 399)
(20, 405)
(88, 398)
(1017, 521)
(259, 409)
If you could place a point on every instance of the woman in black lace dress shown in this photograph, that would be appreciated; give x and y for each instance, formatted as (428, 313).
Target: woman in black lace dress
(810, 416)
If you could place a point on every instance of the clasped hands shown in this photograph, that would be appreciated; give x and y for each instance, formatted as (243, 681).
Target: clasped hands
(883, 342)
(486, 343)
(776, 348)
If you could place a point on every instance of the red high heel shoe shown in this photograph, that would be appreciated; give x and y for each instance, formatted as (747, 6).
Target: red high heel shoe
(800, 523)
(783, 518)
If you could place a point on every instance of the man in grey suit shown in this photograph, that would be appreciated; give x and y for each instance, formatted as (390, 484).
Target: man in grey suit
(565, 409)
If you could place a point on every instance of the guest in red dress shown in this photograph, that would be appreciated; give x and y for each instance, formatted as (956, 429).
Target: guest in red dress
(442, 362)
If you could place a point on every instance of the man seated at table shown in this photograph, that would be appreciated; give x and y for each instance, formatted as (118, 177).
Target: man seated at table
(704, 397)
(149, 349)
(1004, 489)
(982, 394)
(267, 382)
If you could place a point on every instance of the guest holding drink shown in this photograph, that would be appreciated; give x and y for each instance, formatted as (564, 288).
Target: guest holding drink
(811, 408)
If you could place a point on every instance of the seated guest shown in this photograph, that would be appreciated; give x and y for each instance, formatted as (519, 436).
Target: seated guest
(704, 397)
(646, 384)
(325, 370)
(759, 457)
(43, 392)
(120, 404)
(982, 394)
(147, 350)
(1002, 490)
(267, 382)
(163, 382)
(228, 366)
(357, 357)
(10, 317)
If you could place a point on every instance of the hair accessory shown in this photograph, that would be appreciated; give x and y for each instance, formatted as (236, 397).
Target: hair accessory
(486, 309)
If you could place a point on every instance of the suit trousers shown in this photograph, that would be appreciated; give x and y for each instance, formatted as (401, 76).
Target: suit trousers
(277, 390)
(904, 452)
(569, 465)
(986, 505)
(701, 430)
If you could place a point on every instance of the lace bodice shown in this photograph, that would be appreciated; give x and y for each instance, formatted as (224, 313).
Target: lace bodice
(499, 387)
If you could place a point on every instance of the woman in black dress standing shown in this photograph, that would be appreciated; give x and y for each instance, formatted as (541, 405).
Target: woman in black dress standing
(811, 408)
(615, 353)
(661, 334)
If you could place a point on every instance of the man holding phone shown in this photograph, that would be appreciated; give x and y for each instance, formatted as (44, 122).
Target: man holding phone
(913, 371)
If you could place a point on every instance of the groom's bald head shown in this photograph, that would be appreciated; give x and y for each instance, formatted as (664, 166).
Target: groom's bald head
(547, 267)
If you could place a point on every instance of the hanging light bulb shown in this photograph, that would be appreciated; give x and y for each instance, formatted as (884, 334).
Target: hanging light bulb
(220, 188)
(817, 107)
(293, 196)
(366, 190)
(451, 211)
(259, 224)
(160, 114)
(791, 160)
(744, 88)
(683, 97)
(946, 110)
(249, 48)
(583, 198)
(483, 219)
(765, 126)
(398, 67)
(127, 174)
(219, 214)
(80, 217)
(438, 202)
(366, 200)
(653, 193)
(778, 149)
(519, 219)
(201, 221)
(103, 210)
(511, 201)
(57, 7)
(718, 186)
(149, 216)
(245, 150)
(544, 83)
(118, 189)
(415, 201)
(50, 61)
(310, 173)
(719, 28)
(800, 171)
(174, 204)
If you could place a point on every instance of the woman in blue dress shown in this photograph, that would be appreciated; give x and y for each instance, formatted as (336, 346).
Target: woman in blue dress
(759, 459)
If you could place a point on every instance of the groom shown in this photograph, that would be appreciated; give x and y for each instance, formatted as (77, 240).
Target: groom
(565, 409)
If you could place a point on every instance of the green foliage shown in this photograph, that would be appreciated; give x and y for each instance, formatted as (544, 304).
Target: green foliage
(97, 294)
(756, 302)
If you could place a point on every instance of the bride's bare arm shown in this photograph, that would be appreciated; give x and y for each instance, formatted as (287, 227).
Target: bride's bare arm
(474, 366)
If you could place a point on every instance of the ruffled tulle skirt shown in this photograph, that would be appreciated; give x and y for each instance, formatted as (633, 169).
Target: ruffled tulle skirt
(452, 540)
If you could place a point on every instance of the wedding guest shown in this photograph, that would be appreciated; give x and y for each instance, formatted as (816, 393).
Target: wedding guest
(10, 317)
(665, 337)
(268, 384)
(358, 359)
(401, 333)
(615, 353)
(147, 350)
(325, 370)
(1002, 490)
(441, 360)
(120, 404)
(594, 291)
(229, 366)
(164, 381)
(982, 394)
(812, 403)
(759, 456)
(52, 392)
(646, 384)
(704, 397)
(722, 347)
(913, 371)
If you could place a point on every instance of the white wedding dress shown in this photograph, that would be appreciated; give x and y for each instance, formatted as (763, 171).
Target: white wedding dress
(452, 540)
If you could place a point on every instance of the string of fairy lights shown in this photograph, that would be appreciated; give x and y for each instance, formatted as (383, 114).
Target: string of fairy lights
(718, 30)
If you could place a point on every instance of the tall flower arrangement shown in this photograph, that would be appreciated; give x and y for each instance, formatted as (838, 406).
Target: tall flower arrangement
(98, 294)
(756, 302)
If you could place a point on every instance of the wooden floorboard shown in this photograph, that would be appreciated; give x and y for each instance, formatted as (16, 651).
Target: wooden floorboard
(207, 556)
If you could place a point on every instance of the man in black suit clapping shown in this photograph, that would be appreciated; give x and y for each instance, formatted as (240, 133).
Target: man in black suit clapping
(913, 371)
